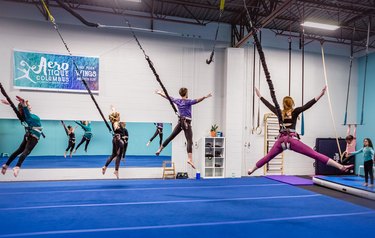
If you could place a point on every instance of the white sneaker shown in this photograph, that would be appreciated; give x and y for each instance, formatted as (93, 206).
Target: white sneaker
(148, 143)
(16, 170)
(104, 169)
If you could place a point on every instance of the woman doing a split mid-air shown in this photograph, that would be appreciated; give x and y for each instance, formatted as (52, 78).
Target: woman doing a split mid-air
(184, 123)
(288, 137)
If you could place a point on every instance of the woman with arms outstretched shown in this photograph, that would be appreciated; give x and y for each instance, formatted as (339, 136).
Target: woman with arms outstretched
(184, 123)
(288, 137)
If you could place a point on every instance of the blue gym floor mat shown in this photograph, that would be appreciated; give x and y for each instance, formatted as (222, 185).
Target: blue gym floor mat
(251, 207)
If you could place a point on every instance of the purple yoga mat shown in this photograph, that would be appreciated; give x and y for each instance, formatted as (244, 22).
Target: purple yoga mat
(292, 180)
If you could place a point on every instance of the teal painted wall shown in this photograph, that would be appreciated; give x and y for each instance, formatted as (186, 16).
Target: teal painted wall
(56, 141)
(367, 130)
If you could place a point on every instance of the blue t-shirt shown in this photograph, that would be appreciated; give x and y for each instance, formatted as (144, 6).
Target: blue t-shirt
(86, 128)
(33, 121)
(368, 153)
(184, 106)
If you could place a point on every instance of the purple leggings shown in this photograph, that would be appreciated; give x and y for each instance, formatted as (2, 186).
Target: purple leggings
(294, 144)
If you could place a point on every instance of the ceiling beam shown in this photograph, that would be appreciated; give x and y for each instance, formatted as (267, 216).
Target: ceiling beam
(320, 38)
(279, 10)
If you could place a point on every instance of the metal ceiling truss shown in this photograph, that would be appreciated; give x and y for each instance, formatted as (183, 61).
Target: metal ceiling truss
(281, 16)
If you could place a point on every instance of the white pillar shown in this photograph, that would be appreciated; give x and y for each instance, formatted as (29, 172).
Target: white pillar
(234, 109)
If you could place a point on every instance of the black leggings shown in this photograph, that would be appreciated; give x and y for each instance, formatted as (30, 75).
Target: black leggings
(185, 125)
(83, 140)
(369, 171)
(71, 145)
(160, 133)
(117, 152)
(27, 145)
(124, 148)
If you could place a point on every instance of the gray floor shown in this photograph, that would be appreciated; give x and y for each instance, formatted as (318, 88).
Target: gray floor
(340, 195)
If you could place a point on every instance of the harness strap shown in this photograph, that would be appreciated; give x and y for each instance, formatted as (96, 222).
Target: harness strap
(184, 122)
(287, 134)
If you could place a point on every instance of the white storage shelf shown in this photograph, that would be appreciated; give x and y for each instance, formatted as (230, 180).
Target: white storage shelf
(212, 162)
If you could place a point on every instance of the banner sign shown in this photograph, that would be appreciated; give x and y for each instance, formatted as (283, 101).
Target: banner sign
(54, 72)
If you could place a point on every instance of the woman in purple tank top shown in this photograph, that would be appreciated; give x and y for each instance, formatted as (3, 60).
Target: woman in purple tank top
(184, 123)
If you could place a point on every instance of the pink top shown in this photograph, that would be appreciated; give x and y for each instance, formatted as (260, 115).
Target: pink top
(350, 147)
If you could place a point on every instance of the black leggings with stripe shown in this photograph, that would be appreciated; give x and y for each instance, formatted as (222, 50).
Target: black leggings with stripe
(182, 125)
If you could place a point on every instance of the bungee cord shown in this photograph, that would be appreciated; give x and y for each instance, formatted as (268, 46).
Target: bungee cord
(303, 78)
(222, 3)
(52, 20)
(264, 65)
(11, 104)
(151, 65)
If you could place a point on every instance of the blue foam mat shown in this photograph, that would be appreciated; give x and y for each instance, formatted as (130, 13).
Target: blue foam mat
(349, 180)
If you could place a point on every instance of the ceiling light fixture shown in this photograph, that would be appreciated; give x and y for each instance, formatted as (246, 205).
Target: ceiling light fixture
(320, 25)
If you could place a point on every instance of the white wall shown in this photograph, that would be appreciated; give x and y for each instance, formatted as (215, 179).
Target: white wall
(125, 78)
(128, 83)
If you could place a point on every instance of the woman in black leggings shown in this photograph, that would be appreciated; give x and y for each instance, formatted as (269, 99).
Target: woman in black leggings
(159, 131)
(33, 130)
(184, 123)
(69, 130)
(117, 143)
(86, 127)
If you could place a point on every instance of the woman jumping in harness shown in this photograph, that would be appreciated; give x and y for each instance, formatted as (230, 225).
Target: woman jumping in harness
(86, 126)
(159, 131)
(184, 123)
(288, 137)
(33, 129)
(69, 130)
(117, 143)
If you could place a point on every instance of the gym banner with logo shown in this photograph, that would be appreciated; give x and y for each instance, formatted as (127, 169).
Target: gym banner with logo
(54, 72)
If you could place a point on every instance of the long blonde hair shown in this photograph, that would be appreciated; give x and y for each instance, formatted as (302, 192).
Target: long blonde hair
(288, 104)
